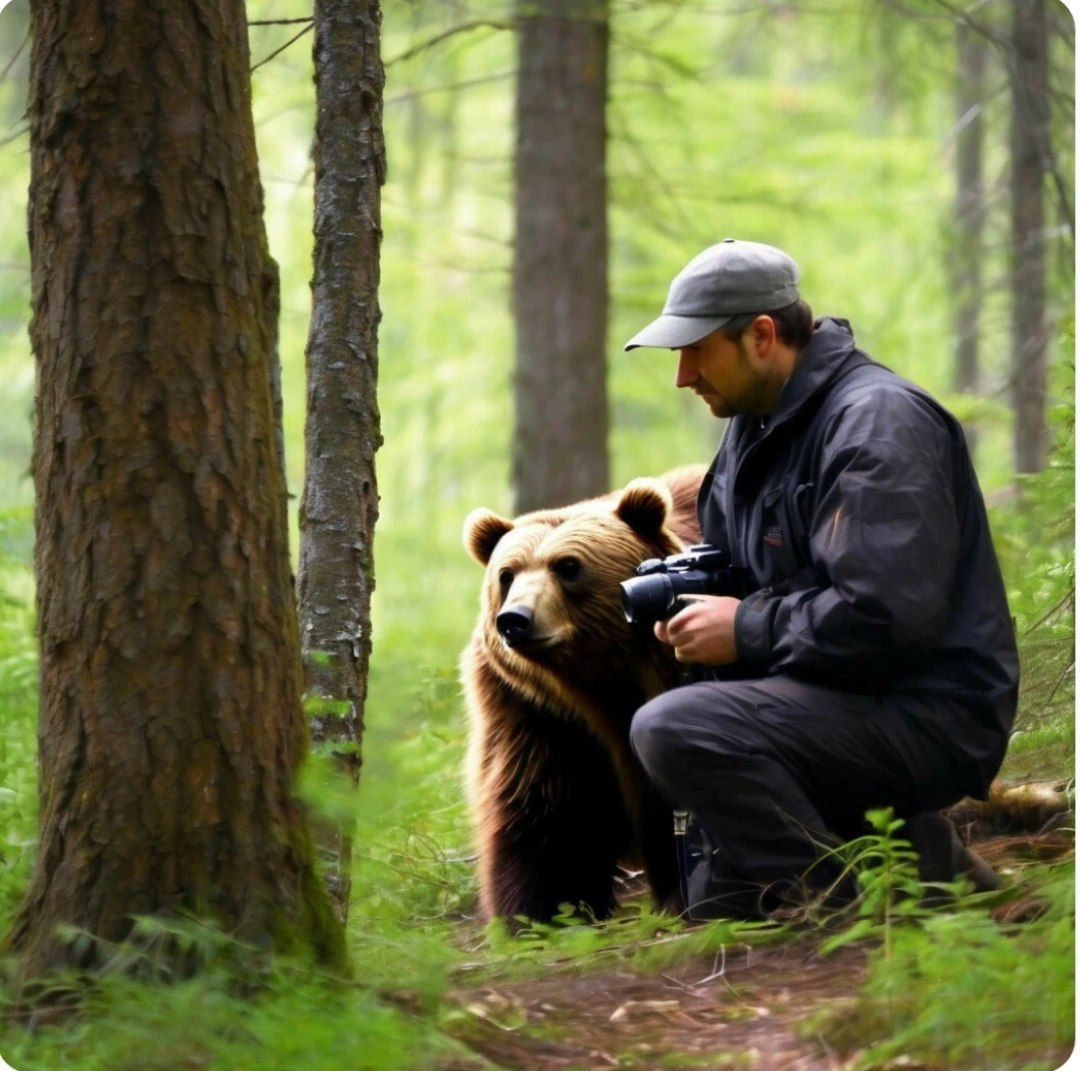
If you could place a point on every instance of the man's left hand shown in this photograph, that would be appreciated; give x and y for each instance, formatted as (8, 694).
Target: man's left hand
(703, 632)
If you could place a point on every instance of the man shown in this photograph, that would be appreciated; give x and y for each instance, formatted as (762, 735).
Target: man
(875, 662)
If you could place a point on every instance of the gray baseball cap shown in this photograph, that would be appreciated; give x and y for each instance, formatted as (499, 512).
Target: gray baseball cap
(725, 281)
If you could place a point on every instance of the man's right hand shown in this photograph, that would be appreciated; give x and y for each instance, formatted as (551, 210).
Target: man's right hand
(703, 632)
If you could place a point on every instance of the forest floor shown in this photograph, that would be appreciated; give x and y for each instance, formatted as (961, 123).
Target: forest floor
(749, 1006)
(744, 1009)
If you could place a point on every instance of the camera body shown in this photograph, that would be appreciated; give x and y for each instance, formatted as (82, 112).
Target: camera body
(654, 594)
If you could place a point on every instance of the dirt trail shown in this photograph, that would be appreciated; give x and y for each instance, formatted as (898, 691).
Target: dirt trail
(741, 1010)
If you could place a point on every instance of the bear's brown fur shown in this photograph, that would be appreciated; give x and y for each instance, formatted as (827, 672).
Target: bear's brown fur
(557, 796)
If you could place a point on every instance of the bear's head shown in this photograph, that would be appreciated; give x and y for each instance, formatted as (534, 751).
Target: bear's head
(551, 608)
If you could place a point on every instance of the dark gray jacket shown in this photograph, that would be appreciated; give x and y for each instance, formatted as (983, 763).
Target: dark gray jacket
(856, 509)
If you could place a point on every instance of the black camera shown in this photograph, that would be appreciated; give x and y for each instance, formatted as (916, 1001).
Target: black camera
(654, 594)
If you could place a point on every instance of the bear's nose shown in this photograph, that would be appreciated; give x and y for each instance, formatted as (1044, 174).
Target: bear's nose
(514, 624)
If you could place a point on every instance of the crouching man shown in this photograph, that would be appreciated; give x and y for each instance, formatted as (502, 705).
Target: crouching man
(876, 664)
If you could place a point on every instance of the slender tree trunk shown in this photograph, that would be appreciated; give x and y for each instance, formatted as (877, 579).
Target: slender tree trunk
(1029, 148)
(171, 724)
(970, 210)
(560, 253)
(341, 502)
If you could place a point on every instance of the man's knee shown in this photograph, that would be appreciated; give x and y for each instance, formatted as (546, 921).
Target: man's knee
(653, 736)
(681, 726)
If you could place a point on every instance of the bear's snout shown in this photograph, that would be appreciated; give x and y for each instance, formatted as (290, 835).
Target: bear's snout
(515, 625)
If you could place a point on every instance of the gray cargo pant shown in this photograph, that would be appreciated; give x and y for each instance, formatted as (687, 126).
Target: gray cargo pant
(776, 769)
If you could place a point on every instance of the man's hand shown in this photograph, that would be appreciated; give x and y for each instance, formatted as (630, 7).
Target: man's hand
(703, 632)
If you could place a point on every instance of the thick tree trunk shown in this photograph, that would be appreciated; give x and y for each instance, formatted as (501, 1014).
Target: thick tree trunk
(970, 210)
(560, 253)
(171, 724)
(341, 502)
(1029, 148)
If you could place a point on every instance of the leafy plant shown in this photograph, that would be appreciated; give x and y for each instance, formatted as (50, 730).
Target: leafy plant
(962, 990)
(886, 871)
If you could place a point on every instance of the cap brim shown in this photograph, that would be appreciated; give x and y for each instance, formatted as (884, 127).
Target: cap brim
(674, 332)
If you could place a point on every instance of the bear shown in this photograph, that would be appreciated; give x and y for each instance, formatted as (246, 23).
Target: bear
(552, 676)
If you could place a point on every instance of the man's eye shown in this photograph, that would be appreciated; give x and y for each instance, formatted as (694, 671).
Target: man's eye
(506, 578)
(567, 568)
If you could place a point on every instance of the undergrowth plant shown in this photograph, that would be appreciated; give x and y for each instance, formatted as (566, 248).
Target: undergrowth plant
(963, 990)
(18, 711)
(886, 872)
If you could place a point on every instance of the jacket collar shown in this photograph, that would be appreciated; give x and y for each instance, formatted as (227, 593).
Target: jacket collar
(829, 354)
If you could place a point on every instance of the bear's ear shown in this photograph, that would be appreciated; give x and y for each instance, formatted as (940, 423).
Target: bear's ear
(482, 532)
(644, 506)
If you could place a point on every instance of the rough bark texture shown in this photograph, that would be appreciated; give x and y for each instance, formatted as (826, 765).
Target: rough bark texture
(560, 254)
(171, 723)
(970, 209)
(1030, 153)
(341, 502)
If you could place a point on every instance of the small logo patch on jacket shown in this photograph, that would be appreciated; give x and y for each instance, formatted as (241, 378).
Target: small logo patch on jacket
(773, 536)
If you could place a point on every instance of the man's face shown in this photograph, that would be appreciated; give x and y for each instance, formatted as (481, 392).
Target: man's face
(724, 374)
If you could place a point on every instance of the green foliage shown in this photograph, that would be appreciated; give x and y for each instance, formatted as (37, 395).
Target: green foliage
(294, 1018)
(963, 990)
(886, 871)
(18, 712)
(1035, 534)
(951, 987)
(636, 937)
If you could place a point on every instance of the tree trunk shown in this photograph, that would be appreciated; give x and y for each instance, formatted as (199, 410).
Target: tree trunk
(970, 209)
(560, 253)
(341, 502)
(1029, 148)
(171, 725)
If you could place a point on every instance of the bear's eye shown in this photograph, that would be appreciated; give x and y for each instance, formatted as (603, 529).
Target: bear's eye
(567, 568)
(506, 578)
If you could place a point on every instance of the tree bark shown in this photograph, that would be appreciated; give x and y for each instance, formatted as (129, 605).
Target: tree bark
(341, 503)
(171, 724)
(970, 210)
(1030, 156)
(560, 253)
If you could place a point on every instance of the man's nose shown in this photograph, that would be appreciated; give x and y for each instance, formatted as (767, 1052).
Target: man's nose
(685, 372)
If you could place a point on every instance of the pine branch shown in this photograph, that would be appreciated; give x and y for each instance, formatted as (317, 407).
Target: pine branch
(464, 27)
(14, 59)
(15, 136)
(450, 87)
(278, 51)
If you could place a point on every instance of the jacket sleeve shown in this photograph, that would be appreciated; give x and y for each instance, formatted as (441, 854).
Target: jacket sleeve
(884, 540)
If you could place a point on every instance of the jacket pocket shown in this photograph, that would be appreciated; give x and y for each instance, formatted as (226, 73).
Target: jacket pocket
(780, 535)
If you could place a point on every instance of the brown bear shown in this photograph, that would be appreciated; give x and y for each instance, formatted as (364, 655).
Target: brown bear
(553, 675)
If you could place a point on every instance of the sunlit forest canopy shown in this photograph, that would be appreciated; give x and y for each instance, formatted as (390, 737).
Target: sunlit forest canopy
(825, 128)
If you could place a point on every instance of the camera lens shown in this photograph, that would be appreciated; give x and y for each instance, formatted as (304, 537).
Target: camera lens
(647, 598)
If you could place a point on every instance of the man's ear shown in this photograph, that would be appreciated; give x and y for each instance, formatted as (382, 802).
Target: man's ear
(482, 532)
(644, 506)
(763, 334)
